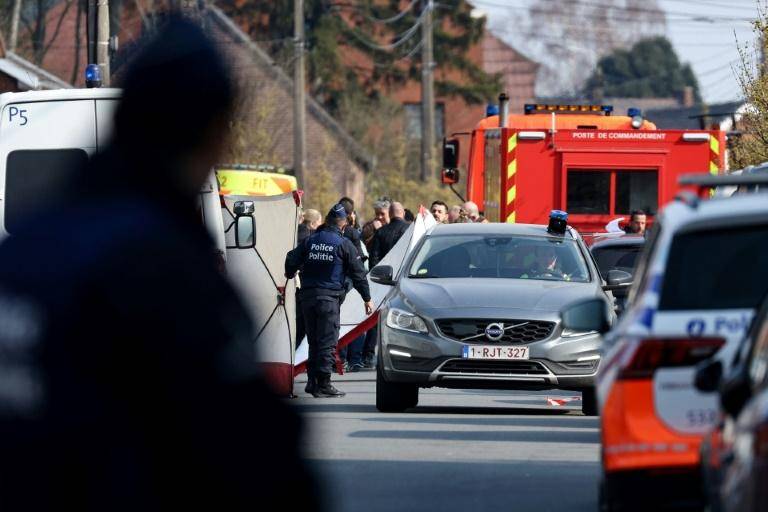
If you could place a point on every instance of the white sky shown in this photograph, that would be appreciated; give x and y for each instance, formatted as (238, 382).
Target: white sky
(704, 33)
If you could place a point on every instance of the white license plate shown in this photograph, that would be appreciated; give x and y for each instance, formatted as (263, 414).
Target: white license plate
(493, 352)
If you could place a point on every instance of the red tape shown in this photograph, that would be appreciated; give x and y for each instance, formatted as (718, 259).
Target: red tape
(345, 340)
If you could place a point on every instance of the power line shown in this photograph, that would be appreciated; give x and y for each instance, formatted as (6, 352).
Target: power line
(396, 17)
(587, 3)
(399, 41)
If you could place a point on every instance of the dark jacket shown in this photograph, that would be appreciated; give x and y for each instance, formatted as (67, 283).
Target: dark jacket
(353, 235)
(386, 238)
(326, 259)
(303, 232)
(137, 388)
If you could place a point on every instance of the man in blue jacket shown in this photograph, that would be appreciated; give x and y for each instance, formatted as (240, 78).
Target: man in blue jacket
(326, 259)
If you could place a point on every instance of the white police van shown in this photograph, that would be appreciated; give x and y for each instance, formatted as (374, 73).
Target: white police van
(704, 272)
(44, 137)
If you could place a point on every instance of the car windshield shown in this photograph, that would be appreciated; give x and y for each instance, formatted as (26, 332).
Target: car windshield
(617, 257)
(514, 257)
(716, 269)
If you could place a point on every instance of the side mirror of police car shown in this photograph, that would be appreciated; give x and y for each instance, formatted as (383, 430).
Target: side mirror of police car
(617, 279)
(382, 274)
(245, 225)
(587, 315)
(708, 375)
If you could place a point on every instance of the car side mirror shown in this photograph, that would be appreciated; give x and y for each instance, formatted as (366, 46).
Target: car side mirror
(735, 392)
(587, 315)
(708, 375)
(382, 274)
(245, 225)
(617, 279)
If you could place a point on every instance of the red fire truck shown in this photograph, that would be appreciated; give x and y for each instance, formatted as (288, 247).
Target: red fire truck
(578, 158)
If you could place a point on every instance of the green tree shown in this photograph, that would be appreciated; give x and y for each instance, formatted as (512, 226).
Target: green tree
(649, 69)
(371, 44)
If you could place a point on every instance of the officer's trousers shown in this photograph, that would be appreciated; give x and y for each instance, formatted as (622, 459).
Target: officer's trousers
(321, 322)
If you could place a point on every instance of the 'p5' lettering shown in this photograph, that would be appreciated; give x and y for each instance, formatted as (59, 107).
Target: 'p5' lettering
(17, 112)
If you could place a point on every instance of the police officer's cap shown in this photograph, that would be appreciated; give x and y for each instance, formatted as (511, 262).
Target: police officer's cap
(337, 212)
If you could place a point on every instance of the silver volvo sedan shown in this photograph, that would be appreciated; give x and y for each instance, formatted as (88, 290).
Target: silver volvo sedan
(478, 306)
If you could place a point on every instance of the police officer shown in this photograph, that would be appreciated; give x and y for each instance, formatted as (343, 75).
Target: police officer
(326, 259)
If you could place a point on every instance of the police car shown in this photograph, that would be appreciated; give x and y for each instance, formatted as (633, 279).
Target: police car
(703, 274)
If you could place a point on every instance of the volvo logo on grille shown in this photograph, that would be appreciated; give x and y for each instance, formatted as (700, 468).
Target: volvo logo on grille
(494, 332)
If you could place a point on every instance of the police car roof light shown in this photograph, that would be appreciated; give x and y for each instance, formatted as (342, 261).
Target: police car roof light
(93, 75)
(558, 222)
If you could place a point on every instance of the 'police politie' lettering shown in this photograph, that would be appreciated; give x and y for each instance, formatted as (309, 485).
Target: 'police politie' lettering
(322, 252)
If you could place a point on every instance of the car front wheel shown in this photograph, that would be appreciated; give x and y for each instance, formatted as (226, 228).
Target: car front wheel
(394, 396)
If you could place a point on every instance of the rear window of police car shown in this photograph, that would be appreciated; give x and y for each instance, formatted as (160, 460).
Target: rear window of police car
(717, 269)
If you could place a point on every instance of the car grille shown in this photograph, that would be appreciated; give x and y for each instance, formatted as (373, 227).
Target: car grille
(461, 329)
(475, 366)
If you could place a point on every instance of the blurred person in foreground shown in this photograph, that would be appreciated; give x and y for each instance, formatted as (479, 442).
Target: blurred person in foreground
(127, 359)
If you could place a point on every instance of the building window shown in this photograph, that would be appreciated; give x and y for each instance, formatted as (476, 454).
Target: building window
(413, 120)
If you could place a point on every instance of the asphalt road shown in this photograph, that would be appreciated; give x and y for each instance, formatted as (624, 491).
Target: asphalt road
(458, 451)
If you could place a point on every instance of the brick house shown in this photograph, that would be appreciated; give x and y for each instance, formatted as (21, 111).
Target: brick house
(265, 110)
(453, 114)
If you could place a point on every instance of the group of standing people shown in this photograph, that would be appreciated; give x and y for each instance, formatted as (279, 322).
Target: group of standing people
(466, 212)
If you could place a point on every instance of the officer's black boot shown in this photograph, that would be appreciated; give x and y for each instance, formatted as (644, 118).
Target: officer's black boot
(311, 386)
(325, 389)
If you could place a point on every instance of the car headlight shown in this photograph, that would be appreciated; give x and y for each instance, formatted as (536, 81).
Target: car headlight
(405, 321)
(570, 333)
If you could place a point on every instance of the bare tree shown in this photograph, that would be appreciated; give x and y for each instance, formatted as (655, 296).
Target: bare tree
(38, 18)
(568, 36)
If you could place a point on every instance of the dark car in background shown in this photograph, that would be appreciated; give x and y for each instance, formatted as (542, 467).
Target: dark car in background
(617, 253)
(734, 455)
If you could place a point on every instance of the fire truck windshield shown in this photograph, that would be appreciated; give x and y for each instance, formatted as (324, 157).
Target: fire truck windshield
(515, 257)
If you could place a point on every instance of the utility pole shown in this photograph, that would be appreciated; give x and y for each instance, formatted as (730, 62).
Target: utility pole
(299, 94)
(91, 31)
(427, 94)
(15, 15)
(102, 38)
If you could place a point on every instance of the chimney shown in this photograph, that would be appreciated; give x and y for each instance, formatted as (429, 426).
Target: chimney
(689, 100)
